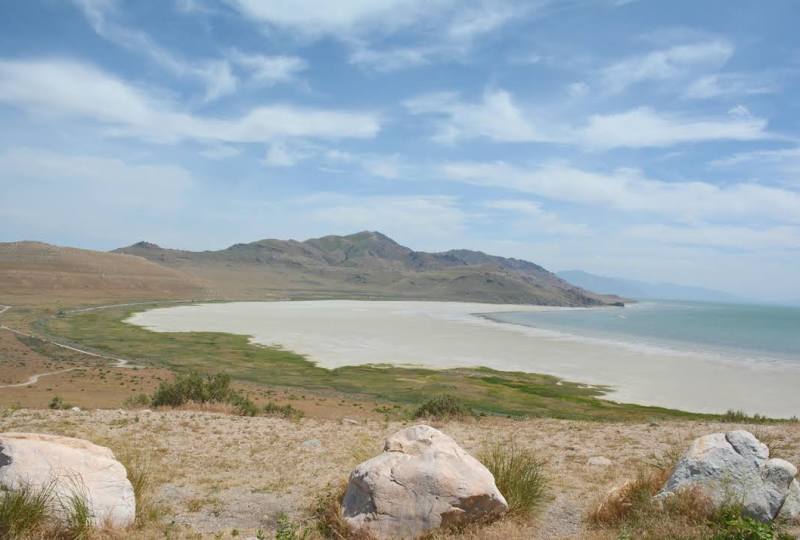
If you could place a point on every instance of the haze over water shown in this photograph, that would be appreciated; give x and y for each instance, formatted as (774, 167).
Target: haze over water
(752, 332)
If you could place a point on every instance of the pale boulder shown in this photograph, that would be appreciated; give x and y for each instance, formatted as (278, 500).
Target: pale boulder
(734, 468)
(74, 467)
(423, 480)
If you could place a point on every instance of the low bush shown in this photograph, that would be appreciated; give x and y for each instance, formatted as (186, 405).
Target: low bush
(58, 404)
(443, 407)
(194, 388)
(519, 475)
(283, 411)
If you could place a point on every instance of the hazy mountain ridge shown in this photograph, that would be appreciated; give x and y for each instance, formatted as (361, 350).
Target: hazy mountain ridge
(642, 290)
(368, 264)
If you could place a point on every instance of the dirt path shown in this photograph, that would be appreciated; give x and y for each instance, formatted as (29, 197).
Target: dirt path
(120, 362)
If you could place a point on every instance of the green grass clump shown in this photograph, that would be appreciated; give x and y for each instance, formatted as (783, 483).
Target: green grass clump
(519, 475)
(443, 407)
(25, 511)
(194, 388)
(58, 404)
(730, 523)
(283, 411)
(79, 523)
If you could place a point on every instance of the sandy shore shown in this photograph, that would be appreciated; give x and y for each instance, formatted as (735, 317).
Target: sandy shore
(447, 334)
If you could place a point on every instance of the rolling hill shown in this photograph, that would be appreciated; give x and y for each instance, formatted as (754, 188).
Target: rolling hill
(365, 265)
(35, 273)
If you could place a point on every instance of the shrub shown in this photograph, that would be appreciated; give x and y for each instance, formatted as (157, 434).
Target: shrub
(58, 404)
(193, 388)
(740, 417)
(519, 475)
(284, 411)
(442, 407)
(139, 400)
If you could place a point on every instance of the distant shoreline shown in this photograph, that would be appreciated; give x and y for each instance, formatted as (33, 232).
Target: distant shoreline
(442, 335)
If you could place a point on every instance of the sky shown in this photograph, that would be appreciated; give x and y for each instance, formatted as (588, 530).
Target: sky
(634, 138)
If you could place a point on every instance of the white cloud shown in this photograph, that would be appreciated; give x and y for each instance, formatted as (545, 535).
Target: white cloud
(644, 127)
(344, 17)
(499, 118)
(537, 217)
(495, 117)
(280, 154)
(443, 29)
(220, 151)
(383, 166)
(664, 64)
(730, 84)
(737, 237)
(216, 75)
(628, 190)
(62, 87)
(269, 70)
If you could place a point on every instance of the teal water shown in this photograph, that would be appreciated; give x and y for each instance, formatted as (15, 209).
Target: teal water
(747, 331)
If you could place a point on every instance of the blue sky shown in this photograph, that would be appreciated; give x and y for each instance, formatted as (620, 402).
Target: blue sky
(643, 139)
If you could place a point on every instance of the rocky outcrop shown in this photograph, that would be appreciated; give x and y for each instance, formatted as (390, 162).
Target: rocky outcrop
(422, 480)
(735, 468)
(72, 467)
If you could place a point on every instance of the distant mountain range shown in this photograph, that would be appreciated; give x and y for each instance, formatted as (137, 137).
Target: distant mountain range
(365, 265)
(642, 290)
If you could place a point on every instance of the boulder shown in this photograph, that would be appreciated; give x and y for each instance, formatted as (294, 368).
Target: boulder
(790, 511)
(74, 467)
(598, 461)
(734, 468)
(421, 481)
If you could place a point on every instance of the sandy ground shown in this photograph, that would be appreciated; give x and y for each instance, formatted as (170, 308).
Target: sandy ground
(447, 334)
(247, 471)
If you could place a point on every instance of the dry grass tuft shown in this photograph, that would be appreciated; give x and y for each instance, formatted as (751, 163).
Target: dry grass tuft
(519, 475)
(327, 513)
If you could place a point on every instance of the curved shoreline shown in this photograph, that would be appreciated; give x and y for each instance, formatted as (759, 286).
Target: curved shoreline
(446, 335)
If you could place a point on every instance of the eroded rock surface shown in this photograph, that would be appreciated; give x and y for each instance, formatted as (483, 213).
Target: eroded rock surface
(735, 468)
(74, 467)
(422, 480)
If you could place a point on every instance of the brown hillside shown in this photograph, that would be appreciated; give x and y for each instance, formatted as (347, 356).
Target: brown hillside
(37, 273)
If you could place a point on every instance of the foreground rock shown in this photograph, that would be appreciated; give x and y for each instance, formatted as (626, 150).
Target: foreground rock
(74, 467)
(422, 480)
(734, 468)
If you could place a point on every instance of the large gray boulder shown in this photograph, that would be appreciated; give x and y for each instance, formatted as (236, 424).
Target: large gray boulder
(734, 468)
(422, 480)
(72, 467)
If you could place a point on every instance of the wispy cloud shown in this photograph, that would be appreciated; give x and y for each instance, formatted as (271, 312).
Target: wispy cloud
(497, 117)
(726, 236)
(731, 84)
(68, 88)
(663, 64)
(630, 191)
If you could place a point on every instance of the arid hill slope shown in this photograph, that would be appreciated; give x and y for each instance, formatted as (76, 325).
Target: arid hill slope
(369, 265)
(36, 273)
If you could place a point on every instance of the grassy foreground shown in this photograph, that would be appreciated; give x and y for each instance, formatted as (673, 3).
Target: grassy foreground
(482, 389)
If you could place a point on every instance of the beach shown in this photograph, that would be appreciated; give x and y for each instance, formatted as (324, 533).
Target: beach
(442, 335)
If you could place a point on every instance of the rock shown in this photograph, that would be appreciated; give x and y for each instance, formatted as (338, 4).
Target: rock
(421, 481)
(790, 511)
(350, 421)
(75, 467)
(311, 443)
(599, 461)
(75, 409)
(734, 467)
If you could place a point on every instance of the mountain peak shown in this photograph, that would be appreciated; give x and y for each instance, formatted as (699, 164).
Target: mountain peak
(145, 245)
